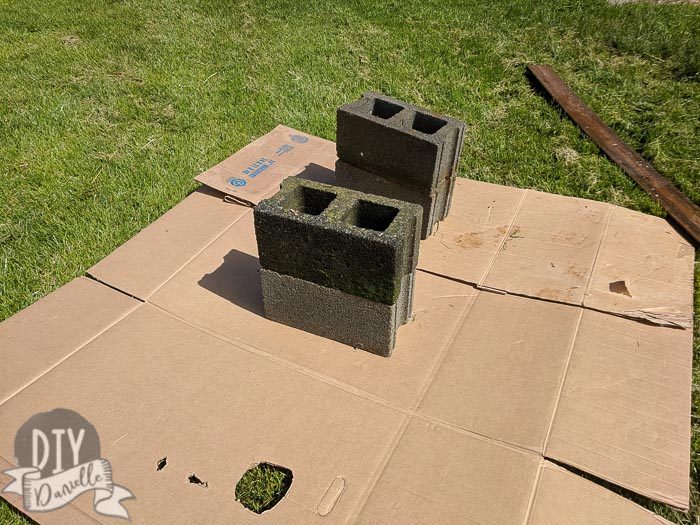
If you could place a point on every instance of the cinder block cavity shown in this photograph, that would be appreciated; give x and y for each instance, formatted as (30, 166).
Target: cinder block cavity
(359, 244)
(390, 148)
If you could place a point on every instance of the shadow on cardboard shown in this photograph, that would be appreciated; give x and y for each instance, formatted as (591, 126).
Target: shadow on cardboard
(237, 280)
(317, 173)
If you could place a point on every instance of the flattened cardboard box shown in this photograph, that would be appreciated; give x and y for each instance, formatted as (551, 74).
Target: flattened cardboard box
(520, 351)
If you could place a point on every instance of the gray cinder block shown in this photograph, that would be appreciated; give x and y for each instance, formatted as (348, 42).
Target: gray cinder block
(359, 244)
(338, 263)
(337, 315)
(398, 141)
(435, 203)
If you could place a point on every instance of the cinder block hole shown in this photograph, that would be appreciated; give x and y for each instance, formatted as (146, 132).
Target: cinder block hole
(385, 109)
(427, 123)
(372, 216)
(263, 486)
(308, 200)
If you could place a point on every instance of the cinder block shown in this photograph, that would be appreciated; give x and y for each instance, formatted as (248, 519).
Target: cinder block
(359, 244)
(435, 203)
(337, 315)
(398, 141)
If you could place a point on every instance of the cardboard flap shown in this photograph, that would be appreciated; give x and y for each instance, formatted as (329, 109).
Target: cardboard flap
(255, 171)
(566, 499)
(644, 271)
(624, 411)
(502, 373)
(439, 475)
(147, 260)
(45, 333)
(564, 249)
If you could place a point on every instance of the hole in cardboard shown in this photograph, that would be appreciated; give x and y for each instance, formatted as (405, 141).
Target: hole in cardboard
(308, 200)
(371, 216)
(160, 464)
(427, 123)
(385, 109)
(619, 287)
(196, 481)
(263, 486)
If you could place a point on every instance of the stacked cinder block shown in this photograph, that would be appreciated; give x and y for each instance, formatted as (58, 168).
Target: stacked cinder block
(397, 150)
(337, 262)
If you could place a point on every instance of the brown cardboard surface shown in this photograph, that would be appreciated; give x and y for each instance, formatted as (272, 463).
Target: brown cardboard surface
(215, 409)
(495, 367)
(437, 475)
(566, 499)
(42, 335)
(147, 260)
(502, 375)
(453, 427)
(624, 410)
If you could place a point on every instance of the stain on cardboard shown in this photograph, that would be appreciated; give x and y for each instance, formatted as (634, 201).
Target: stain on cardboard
(470, 240)
(576, 271)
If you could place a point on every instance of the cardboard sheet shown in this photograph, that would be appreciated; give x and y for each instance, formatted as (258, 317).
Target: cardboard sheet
(39, 337)
(520, 350)
(143, 263)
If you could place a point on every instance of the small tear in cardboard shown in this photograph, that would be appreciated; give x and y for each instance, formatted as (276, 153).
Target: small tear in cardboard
(661, 316)
(619, 287)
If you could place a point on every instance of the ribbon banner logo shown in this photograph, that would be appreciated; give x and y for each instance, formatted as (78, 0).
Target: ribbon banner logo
(58, 458)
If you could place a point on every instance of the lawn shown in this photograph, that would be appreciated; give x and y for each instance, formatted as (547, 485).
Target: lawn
(109, 108)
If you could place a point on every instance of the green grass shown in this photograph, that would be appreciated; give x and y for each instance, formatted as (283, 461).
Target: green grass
(263, 486)
(109, 108)
(9, 516)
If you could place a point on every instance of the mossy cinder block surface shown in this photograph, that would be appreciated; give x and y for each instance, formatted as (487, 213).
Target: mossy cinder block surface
(435, 203)
(401, 142)
(330, 313)
(360, 244)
